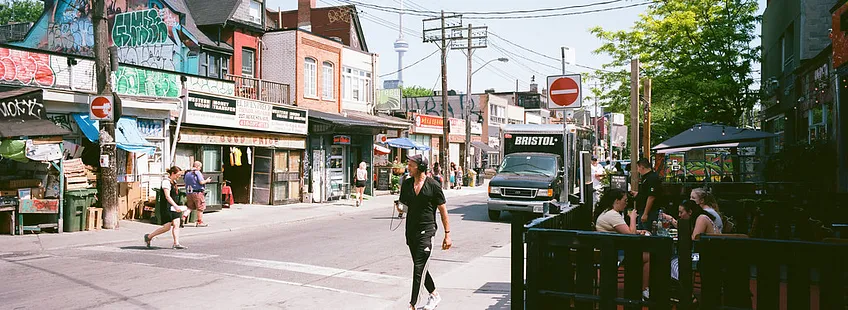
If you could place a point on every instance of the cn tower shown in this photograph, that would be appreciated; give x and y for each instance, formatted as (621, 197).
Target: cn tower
(400, 47)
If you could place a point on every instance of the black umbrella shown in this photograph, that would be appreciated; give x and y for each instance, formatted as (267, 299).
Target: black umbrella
(711, 135)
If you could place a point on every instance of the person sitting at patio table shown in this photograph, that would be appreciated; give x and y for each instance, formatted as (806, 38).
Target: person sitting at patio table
(612, 203)
(700, 221)
(708, 202)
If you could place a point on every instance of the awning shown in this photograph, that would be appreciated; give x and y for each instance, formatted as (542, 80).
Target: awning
(31, 129)
(484, 147)
(709, 135)
(380, 150)
(388, 121)
(407, 144)
(342, 120)
(128, 137)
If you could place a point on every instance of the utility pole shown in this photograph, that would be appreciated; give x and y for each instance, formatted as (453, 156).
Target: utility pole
(102, 64)
(476, 37)
(646, 138)
(634, 122)
(596, 124)
(439, 35)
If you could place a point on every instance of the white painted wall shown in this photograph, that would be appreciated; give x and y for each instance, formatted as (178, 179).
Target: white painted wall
(360, 61)
(515, 114)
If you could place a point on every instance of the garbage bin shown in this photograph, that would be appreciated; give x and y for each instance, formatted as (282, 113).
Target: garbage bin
(479, 176)
(75, 211)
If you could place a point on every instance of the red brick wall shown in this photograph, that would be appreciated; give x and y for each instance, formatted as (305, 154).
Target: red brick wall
(328, 22)
(321, 50)
(244, 40)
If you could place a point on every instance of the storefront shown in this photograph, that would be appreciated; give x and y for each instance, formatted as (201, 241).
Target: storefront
(338, 143)
(256, 148)
(31, 172)
(429, 129)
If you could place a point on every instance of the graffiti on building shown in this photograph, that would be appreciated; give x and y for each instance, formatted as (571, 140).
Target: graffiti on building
(27, 108)
(141, 82)
(42, 70)
(26, 68)
(211, 86)
(147, 33)
(151, 128)
(61, 120)
(457, 107)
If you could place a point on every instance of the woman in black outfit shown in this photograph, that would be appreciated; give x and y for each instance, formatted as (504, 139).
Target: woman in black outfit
(169, 189)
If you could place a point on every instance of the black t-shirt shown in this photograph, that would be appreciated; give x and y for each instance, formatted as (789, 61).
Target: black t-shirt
(421, 215)
(650, 186)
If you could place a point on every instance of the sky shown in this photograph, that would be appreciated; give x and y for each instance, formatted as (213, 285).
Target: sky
(542, 35)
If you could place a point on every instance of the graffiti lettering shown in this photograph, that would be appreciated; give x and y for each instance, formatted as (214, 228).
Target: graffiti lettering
(160, 56)
(134, 81)
(150, 128)
(30, 108)
(25, 68)
(139, 28)
(61, 120)
(433, 106)
(211, 86)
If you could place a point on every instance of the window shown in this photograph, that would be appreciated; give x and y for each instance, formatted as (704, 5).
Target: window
(497, 114)
(776, 125)
(248, 61)
(819, 119)
(213, 65)
(255, 12)
(356, 85)
(328, 88)
(310, 78)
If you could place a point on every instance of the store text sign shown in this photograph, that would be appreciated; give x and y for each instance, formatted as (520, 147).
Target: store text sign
(227, 138)
(341, 140)
(244, 114)
(428, 124)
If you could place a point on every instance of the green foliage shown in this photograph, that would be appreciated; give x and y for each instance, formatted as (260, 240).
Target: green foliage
(698, 55)
(416, 91)
(20, 11)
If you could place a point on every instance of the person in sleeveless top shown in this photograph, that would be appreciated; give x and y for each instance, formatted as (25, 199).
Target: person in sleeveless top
(169, 190)
(361, 181)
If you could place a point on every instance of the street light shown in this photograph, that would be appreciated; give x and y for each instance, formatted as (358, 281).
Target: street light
(502, 59)
(467, 111)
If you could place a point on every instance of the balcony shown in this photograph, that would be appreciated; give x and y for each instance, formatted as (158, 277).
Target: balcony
(258, 89)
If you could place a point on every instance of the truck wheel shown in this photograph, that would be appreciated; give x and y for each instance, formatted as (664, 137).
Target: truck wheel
(494, 215)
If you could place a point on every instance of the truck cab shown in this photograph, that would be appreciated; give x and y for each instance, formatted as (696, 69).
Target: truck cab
(539, 165)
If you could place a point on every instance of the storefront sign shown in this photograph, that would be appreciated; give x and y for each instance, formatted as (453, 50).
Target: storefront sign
(244, 114)
(341, 140)
(245, 139)
(428, 124)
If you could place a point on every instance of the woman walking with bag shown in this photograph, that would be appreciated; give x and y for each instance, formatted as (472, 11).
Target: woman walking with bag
(175, 214)
(361, 180)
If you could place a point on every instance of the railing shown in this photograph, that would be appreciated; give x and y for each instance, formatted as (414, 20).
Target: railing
(258, 89)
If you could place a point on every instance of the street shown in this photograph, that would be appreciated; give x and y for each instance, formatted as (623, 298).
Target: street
(353, 261)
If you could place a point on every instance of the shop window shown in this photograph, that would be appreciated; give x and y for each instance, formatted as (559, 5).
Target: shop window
(184, 157)
(211, 159)
(776, 125)
(310, 78)
(328, 88)
(818, 120)
(281, 160)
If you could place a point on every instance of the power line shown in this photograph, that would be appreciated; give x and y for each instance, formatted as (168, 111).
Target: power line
(425, 11)
(414, 63)
(432, 14)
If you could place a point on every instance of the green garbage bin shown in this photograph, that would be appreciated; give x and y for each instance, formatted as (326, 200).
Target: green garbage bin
(75, 210)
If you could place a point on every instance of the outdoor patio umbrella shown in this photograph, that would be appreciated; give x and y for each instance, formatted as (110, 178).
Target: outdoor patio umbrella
(407, 144)
(708, 135)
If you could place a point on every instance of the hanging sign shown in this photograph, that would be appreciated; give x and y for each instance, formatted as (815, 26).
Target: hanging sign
(341, 140)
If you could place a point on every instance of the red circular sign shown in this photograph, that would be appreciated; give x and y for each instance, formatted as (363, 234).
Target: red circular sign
(564, 91)
(101, 107)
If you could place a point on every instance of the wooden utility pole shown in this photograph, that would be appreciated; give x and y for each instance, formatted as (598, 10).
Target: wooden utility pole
(475, 38)
(108, 182)
(442, 37)
(634, 122)
(646, 141)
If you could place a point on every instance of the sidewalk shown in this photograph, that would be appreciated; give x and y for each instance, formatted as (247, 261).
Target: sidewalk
(236, 218)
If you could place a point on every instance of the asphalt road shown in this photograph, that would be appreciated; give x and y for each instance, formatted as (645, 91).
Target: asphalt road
(354, 261)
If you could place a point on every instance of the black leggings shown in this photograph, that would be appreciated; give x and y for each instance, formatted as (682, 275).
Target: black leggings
(420, 250)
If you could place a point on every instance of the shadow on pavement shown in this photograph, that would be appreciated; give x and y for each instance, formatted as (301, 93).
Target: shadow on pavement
(479, 213)
(141, 247)
(501, 290)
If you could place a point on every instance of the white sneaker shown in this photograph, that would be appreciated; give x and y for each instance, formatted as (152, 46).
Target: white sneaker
(432, 302)
(646, 294)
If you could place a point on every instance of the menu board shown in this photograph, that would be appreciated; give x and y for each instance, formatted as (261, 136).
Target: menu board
(384, 178)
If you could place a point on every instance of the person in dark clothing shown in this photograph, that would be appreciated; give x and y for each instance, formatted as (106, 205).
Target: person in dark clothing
(175, 212)
(648, 200)
(423, 195)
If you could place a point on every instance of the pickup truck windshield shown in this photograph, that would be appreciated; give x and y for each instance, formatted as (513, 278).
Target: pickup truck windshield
(529, 164)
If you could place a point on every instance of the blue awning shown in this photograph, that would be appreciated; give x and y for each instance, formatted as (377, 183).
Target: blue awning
(128, 137)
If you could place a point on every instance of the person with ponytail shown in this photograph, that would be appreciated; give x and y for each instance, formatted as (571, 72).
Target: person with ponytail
(169, 189)
(611, 204)
(700, 221)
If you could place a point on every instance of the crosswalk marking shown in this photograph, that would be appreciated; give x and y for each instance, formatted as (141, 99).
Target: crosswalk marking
(268, 264)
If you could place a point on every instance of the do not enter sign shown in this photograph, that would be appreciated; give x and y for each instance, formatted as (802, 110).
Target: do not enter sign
(101, 108)
(564, 92)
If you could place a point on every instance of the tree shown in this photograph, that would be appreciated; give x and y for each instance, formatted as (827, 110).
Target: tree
(20, 11)
(416, 91)
(699, 56)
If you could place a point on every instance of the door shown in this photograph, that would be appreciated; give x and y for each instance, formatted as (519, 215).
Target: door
(262, 164)
(318, 175)
(210, 156)
(287, 174)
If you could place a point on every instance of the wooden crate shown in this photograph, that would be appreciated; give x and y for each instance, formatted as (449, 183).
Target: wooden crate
(94, 221)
